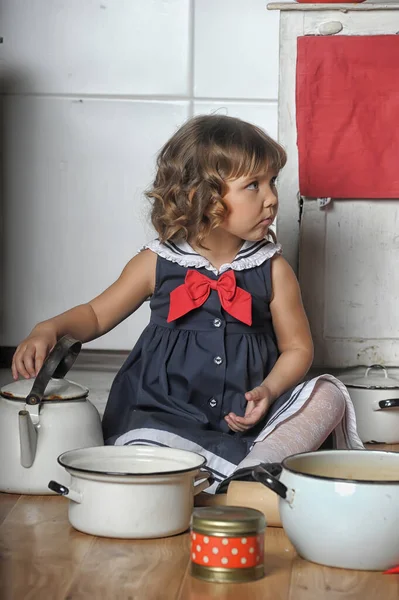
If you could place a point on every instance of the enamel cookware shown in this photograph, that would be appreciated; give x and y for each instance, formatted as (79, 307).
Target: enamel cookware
(340, 508)
(132, 491)
(41, 418)
(375, 397)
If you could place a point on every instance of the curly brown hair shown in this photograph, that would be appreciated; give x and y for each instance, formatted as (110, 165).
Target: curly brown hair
(193, 168)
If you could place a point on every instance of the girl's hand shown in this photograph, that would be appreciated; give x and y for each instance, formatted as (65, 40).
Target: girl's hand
(259, 401)
(31, 353)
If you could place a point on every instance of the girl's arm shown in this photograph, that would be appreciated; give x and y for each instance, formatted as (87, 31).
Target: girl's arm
(89, 321)
(294, 342)
(292, 330)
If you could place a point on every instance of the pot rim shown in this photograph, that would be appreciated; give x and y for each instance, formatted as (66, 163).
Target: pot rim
(339, 479)
(364, 388)
(70, 468)
(141, 475)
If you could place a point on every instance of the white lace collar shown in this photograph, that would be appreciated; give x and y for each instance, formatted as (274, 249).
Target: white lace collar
(251, 254)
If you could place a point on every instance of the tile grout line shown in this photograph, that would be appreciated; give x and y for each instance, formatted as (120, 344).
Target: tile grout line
(150, 98)
(191, 57)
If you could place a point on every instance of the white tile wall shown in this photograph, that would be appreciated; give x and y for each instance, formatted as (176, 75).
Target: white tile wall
(94, 88)
(97, 46)
(263, 114)
(236, 49)
(76, 172)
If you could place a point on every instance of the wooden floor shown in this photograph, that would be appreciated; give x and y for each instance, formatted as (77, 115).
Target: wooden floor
(43, 558)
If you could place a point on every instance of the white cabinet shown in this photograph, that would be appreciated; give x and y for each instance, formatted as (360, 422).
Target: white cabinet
(347, 254)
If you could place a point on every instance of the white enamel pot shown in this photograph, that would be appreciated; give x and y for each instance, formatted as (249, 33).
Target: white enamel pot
(132, 491)
(375, 398)
(340, 508)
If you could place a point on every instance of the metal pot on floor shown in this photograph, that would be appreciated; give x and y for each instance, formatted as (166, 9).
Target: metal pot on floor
(134, 492)
(375, 397)
(340, 508)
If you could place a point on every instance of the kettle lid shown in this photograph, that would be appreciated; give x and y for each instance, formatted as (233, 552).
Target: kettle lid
(57, 389)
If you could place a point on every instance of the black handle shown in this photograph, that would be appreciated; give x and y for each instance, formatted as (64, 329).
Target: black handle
(207, 475)
(56, 365)
(263, 476)
(391, 403)
(273, 469)
(62, 490)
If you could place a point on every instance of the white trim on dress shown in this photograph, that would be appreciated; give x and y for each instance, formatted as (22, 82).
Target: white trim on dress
(216, 465)
(345, 434)
(182, 254)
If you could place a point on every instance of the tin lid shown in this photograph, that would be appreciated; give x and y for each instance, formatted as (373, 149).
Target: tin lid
(57, 389)
(227, 520)
(375, 377)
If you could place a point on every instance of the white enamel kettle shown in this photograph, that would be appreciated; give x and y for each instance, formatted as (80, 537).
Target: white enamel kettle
(39, 422)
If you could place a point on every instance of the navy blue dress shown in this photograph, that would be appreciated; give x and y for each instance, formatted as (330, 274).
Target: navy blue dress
(183, 377)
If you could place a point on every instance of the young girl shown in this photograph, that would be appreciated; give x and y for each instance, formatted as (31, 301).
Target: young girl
(218, 370)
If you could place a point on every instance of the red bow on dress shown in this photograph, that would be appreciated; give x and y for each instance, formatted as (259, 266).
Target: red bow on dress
(196, 289)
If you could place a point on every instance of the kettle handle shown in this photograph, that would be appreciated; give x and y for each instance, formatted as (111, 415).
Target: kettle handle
(57, 365)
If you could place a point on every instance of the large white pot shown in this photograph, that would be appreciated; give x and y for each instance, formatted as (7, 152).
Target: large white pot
(375, 397)
(340, 508)
(132, 491)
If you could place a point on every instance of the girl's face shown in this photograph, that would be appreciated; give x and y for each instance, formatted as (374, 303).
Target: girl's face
(252, 204)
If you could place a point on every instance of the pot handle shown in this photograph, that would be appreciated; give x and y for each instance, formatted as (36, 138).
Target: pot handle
(205, 481)
(62, 490)
(267, 479)
(376, 367)
(390, 403)
(57, 365)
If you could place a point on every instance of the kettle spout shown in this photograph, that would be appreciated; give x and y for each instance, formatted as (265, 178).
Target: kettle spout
(27, 438)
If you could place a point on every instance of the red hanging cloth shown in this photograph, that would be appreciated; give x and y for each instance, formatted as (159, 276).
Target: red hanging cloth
(347, 111)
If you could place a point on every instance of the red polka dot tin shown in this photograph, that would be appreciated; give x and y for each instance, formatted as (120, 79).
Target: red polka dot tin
(227, 544)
